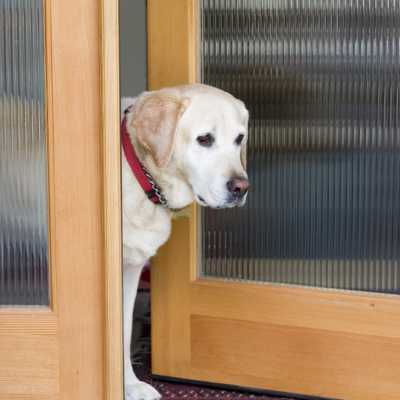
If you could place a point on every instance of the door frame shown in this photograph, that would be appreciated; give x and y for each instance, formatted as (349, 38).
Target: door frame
(112, 203)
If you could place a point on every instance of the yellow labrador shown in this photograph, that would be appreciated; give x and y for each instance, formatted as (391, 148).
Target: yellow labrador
(189, 143)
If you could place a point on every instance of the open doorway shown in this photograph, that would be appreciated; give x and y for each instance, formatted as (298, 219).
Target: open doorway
(283, 295)
(134, 80)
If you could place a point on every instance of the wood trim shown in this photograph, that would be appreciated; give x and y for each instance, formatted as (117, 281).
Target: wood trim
(112, 199)
(172, 54)
(33, 397)
(283, 359)
(50, 154)
(170, 299)
(311, 308)
(77, 205)
(27, 322)
(173, 60)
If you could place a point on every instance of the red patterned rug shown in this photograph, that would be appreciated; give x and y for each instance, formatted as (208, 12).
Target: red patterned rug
(178, 391)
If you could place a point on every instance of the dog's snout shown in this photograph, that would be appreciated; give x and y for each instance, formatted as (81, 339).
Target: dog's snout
(238, 187)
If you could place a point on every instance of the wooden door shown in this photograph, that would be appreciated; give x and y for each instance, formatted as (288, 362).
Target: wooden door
(66, 345)
(279, 338)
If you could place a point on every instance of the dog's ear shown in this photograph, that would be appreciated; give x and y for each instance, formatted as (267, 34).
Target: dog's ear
(155, 120)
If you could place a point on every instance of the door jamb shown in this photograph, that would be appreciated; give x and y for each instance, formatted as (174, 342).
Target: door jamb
(112, 208)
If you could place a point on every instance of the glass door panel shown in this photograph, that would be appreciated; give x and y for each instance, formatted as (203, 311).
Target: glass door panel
(23, 155)
(321, 81)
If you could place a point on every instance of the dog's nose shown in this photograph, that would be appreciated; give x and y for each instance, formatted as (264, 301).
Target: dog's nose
(238, 187)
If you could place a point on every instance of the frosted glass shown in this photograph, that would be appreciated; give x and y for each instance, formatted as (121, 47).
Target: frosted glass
(23, 158)
(322, 82)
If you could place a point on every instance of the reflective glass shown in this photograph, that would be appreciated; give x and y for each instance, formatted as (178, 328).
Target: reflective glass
(321, 80)
(23, 157)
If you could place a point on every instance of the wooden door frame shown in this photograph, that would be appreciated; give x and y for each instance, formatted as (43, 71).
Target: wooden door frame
(110, 189)
(112, 206)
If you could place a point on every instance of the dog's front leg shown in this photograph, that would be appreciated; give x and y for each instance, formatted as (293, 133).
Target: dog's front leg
(134, 389)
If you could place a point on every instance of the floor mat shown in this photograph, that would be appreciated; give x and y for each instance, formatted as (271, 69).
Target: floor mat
(177, 391)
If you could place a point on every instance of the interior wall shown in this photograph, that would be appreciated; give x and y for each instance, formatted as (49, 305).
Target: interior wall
(133, 47)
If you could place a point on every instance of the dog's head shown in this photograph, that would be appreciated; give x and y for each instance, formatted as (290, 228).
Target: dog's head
(200, 133)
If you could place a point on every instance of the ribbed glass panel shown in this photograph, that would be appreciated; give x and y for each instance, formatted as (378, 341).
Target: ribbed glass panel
(23, 159)
(322, 82)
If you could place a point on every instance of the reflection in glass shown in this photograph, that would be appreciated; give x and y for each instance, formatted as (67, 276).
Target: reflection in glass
(321, 80)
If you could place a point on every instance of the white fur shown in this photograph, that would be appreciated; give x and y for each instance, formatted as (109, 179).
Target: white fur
(192, 172)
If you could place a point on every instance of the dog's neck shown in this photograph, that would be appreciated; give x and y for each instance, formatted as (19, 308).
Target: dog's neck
(169, 179)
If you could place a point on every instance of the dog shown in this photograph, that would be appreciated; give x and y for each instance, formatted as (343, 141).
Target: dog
(180, 144)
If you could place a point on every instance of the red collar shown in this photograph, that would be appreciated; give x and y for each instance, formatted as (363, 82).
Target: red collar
(144, 178)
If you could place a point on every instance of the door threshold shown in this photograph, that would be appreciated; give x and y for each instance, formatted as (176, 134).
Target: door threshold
(241, 389)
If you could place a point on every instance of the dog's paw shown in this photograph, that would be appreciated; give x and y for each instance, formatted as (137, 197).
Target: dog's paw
(141, 391)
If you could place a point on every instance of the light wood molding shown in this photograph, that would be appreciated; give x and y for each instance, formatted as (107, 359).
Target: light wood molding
(172, 32)
(50, 153)
(28, 322)
(256, 355)
(112, 199)
(172, 60)
(78, 197)
(334, 310)
(32, 397)
(170, 296)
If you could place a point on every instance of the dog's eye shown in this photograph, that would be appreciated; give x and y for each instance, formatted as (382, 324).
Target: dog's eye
(205, 140)
(239, 139)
